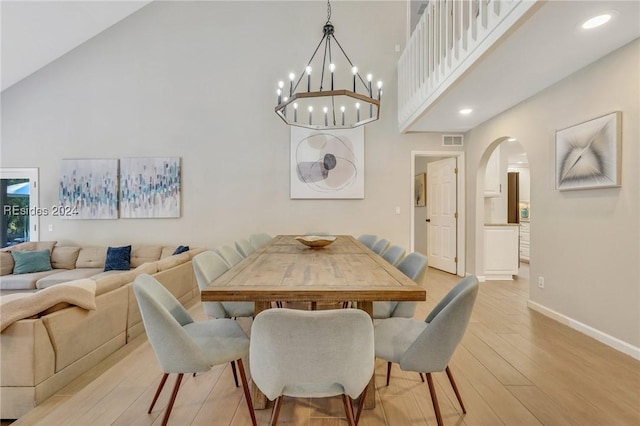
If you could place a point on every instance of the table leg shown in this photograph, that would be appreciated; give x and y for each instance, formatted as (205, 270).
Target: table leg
(258, 398)
(370, 398)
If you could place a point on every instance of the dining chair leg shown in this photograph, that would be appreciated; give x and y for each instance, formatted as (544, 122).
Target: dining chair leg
(421, 377)
(348, 409)
(455, 389)
(388, 372)
(235, 374)
(434, 399)
(361, 404)
(172, 400)
(160, 386)
(247, 395)
(276, 411)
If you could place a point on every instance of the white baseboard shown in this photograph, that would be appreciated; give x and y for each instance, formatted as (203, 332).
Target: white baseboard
(608, 340)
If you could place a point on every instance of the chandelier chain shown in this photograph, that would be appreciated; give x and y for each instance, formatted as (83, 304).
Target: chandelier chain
(328, 11)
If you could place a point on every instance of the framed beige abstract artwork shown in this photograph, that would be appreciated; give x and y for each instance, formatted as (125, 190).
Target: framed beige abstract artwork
(588, 155)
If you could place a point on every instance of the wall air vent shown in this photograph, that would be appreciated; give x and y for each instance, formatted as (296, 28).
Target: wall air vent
(452, 140)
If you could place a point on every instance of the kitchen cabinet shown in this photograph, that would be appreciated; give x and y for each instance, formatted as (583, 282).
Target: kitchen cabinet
(524, 241)
(501, 251)
(492, 187)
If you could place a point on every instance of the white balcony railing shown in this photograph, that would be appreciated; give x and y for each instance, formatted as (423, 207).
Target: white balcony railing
(448, 39)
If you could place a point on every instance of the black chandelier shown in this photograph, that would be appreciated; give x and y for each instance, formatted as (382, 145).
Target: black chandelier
(328, 107)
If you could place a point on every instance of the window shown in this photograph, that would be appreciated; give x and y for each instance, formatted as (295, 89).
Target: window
(19, 199)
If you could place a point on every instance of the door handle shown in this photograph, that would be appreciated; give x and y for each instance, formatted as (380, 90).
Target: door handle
(428, 220)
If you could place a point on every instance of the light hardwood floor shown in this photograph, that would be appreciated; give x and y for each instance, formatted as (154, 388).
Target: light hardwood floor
(514, 367)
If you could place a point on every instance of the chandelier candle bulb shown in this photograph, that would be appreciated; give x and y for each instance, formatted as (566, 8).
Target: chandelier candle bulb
(332, 68)
(357, 111)
(342, 109)
(325, 110)
(292, 77)
(310, 114)
(279, 92)
(308, 78)
(369, 78)
(354, 70)
(379, 89)
(295, 112)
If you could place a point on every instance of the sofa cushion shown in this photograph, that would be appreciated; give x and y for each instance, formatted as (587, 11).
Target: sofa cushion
(26, 262)
(146, 268)
(67, 275)
(107, 281)
(91, 257)
(144, 254)
(24, 305)
(32, 246)
(118, 259)
(170, 262)
(64, 257)
(6, 263)
(24, 281)
(167, 251)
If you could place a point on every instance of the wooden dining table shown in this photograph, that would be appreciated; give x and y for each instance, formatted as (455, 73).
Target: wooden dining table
(285, 270)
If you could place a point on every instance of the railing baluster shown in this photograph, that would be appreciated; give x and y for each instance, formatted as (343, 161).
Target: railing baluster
(446, 34)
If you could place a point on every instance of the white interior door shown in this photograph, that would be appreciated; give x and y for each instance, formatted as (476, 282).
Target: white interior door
(442, 214)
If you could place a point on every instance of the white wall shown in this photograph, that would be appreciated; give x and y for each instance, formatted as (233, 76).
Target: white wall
(586, 244)
(197, 80)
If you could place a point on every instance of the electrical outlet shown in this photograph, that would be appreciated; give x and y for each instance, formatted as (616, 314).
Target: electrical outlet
(541, 282)
(397, 210)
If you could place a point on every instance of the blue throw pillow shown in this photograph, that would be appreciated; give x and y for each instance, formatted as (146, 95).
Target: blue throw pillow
(26, 262)
(118, 259)
(181, 249)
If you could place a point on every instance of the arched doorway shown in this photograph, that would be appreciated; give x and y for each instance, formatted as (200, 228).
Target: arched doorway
(503, 211)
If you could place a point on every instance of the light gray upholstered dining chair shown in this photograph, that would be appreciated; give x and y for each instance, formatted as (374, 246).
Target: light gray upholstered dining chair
(312, 354)
(244, 247)
(414, 266)
(427, 346)
(208, 266)
(259, 240)
(184, 346)
(393, 254)
(230, 256)
(368, 239)
(380, 246)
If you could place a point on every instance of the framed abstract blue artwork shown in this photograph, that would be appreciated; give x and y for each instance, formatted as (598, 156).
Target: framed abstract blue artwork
(150, 187)
(89, 188)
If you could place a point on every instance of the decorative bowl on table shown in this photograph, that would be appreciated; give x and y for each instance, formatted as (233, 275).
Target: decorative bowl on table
(316, 241)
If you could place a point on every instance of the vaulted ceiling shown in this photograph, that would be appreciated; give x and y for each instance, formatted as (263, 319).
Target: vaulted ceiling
(35, 33)
(546, 47)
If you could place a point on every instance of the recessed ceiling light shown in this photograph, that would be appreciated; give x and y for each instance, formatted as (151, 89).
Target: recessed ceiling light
(466, 111)
(596, 21)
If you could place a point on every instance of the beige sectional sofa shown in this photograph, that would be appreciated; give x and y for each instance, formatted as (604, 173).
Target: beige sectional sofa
(41, 354)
